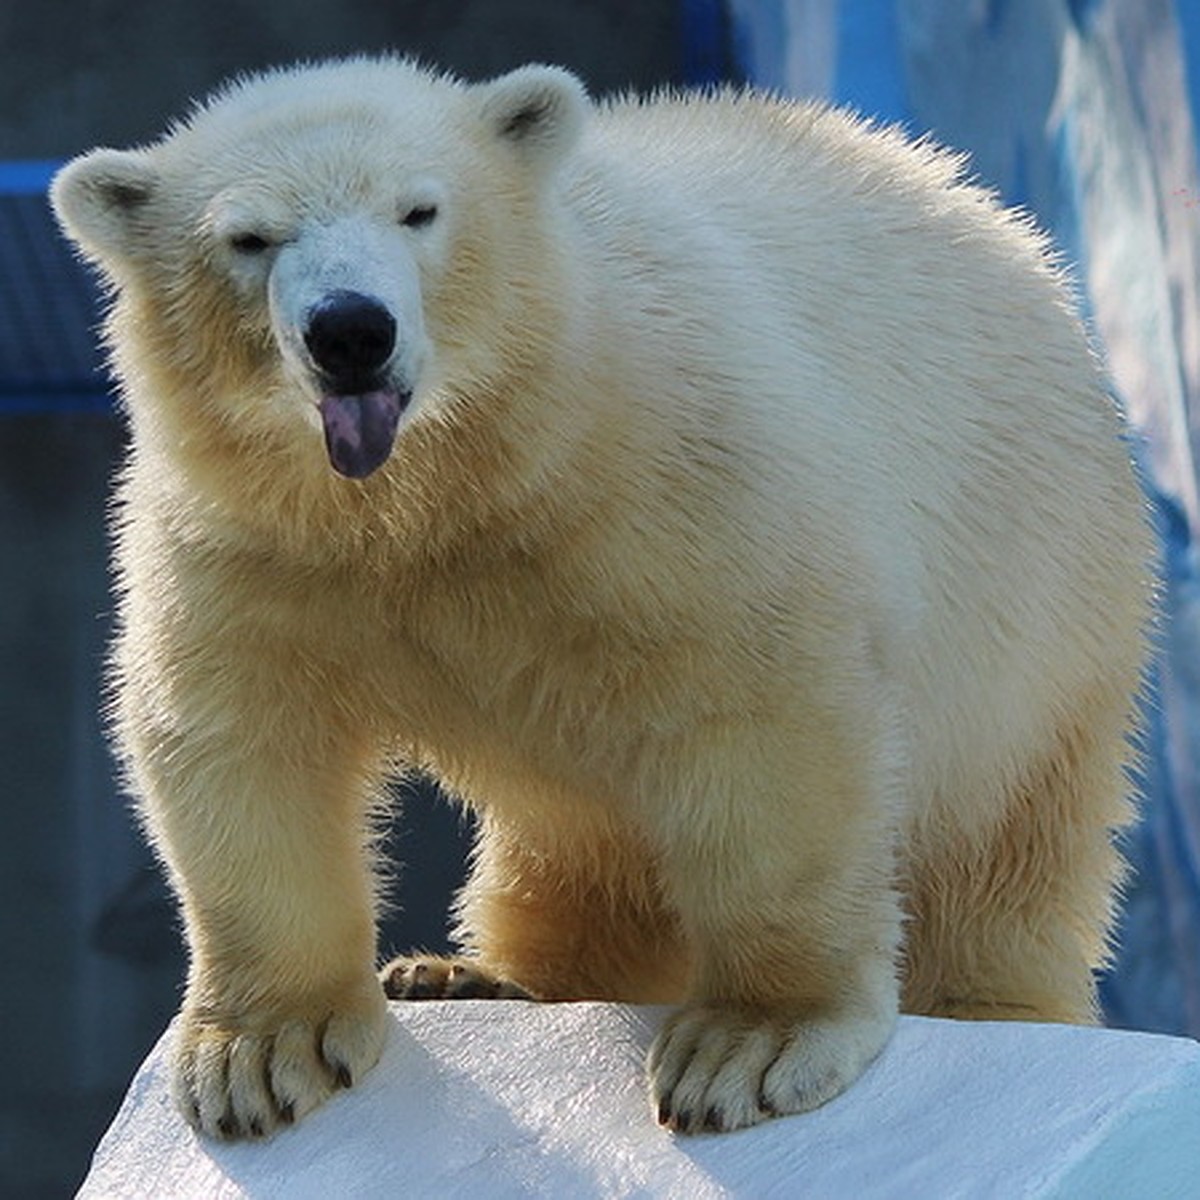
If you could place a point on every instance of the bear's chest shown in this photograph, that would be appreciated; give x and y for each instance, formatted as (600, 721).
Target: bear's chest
(540, 664)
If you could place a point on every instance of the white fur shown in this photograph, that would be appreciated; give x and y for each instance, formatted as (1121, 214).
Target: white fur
(759, 558)
(351, 254)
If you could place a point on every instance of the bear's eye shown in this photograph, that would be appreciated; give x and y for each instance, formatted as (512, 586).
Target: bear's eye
(419, 216)
(249, 243)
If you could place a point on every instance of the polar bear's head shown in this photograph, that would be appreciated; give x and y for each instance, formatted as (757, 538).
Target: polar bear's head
(343, 246)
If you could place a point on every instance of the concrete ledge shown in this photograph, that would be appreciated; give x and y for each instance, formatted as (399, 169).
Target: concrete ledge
(512, 1099)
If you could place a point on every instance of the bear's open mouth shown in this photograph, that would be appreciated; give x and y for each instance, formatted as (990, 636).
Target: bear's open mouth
(360, 429)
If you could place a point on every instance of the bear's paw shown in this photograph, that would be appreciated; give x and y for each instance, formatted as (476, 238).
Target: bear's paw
(248, 1079)
(432, 977)
(714, 1070)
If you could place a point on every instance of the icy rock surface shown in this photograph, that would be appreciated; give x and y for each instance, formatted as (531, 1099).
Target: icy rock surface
(515, 1099)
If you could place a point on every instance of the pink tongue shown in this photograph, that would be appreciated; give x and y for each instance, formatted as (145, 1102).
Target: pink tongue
(360, 430)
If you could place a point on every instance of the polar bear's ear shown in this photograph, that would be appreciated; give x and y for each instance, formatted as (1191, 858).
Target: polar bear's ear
(538, 110)
(100, 200)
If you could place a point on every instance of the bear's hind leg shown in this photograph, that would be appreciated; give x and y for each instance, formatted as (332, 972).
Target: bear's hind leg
(1016, 928)
(445, 977)
(580, 919)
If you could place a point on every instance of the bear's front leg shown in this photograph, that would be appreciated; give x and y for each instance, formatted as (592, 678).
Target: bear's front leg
(781, 868)
(255, 785)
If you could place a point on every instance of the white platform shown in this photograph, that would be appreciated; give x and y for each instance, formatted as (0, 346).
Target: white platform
(512, 1099)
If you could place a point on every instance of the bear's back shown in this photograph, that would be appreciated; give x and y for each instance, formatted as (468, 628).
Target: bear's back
(916, 367)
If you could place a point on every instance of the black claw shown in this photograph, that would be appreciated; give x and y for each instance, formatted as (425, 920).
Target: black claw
(712, 1120)
(227, 1127)
(256, 1127)
(419, 986)
(467, 988)
(343, 1076)
(287, 1113)
(683, 1120)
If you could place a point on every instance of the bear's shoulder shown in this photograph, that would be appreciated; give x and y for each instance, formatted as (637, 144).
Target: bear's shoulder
(730, 131)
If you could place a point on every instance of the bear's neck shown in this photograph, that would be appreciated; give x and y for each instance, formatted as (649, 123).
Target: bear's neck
(460, 483)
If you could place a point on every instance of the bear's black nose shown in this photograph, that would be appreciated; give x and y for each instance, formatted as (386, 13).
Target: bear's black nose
(349, 335)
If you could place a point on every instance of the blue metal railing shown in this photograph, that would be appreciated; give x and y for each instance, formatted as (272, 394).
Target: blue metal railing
(48, 305)
(27, 177)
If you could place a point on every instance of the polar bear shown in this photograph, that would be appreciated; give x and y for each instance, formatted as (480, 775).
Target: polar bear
(715, 493)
